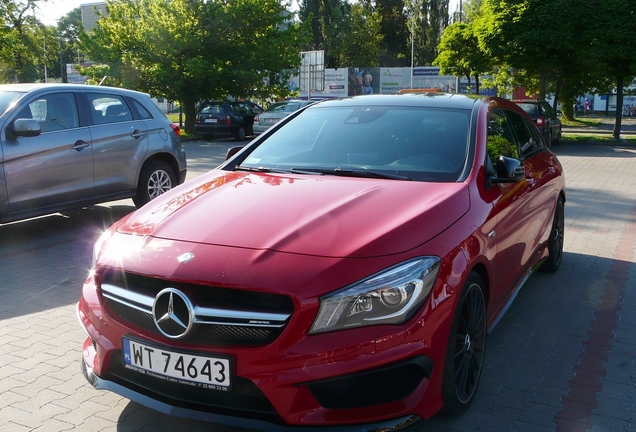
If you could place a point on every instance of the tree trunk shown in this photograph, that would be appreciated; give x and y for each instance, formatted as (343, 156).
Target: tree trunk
(190, 110)
(476, 84)
(619, 108)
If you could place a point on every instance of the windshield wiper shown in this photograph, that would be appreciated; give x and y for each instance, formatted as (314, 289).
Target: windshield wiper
(345, 172)
(261, 169)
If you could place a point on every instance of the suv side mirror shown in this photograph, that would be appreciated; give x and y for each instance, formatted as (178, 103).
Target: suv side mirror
(509, 170)
(25, 128)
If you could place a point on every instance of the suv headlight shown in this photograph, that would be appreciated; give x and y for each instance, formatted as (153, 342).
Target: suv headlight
(388, 297)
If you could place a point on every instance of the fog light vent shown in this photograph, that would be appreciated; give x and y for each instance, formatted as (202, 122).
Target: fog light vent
(372, 387)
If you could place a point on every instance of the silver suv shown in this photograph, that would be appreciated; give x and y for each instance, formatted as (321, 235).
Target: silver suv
(65, 146)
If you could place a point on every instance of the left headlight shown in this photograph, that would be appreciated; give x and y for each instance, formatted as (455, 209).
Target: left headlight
(388, 297)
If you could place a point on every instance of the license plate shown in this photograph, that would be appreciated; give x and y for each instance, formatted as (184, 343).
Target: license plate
(212, 120)
(270, 120)
(195, 370)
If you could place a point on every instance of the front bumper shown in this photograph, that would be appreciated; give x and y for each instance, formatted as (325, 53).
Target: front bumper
(102, 384)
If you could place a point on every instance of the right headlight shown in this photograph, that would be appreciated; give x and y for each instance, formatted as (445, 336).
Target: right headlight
(388, 297)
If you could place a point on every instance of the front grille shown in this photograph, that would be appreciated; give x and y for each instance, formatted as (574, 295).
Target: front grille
(126, 307)
(373, 387)
(243, 400)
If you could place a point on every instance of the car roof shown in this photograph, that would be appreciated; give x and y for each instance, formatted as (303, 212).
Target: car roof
(31, 87)
(432, 100)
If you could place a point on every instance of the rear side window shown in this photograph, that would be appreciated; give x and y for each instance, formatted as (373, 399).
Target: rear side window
(143, 112)
(108, 108)
(528, 143)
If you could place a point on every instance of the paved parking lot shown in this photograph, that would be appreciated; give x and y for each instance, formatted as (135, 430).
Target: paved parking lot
(562, 359)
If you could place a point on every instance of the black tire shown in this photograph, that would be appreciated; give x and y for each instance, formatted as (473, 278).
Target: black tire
(155, 179)
(549, 139)
(555, 242)
(240, 134)
(466, 348)
(558, 139)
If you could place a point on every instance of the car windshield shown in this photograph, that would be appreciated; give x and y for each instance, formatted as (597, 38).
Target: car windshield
(7, 98)
(404, 143)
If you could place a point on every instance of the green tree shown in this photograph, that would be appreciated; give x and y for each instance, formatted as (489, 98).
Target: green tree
(359, 40)
(614, 46)
(21, 42)
(461, 55)
(68, 31)
(396, 35)
(329, 24)
(189, 50)
(429, 18)
(542, 42)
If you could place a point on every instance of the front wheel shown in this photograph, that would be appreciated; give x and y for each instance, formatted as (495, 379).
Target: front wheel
(155, 179)
(555, 242)
(466, 348)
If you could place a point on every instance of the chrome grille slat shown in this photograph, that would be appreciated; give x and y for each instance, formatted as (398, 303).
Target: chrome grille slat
(223, 311)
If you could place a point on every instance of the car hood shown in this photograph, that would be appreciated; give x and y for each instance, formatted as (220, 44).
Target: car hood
(324, 216)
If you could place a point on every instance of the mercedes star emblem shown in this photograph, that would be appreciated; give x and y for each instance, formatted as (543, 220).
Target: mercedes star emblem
(173, 313)
(185, 257)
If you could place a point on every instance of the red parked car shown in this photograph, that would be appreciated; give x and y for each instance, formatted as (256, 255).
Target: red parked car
(342, 270)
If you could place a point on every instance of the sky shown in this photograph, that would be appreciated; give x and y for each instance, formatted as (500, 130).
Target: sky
(52, 10)
(55, 9)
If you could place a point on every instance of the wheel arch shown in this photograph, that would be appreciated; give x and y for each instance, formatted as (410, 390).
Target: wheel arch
(162, 157)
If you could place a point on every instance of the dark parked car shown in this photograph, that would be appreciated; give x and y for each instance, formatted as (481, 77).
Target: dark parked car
(546, 118)
(364, 249)
(234, 119)
(66, 146)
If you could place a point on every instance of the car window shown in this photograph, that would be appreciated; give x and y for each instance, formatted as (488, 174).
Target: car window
(108, 108)
(547, 109)
(530, 107)
(7, 98)
(416, 143)
(501, 140)
(143, 112)
(54, 112)
(212, 109)
(536, 135)
(528, 144)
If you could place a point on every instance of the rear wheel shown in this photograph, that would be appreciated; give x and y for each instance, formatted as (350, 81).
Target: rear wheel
(555, 242)
(240, 134)
(155, 179)
(466, 348)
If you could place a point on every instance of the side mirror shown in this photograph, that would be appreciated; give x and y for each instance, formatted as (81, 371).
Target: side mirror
(25, 128)
(509, 170)
(232, 151)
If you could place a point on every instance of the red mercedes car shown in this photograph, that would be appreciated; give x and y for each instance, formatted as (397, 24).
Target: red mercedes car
(343, 269)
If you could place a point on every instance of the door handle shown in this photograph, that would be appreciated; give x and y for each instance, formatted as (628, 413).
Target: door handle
(80, 145)
(137, 134)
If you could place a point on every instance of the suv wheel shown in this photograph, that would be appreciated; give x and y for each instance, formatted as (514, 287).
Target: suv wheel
(240, 134)
(155, 179)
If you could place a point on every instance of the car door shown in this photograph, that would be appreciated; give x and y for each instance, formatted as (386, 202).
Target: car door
(120, 143)
(513, 208)
(55, 167)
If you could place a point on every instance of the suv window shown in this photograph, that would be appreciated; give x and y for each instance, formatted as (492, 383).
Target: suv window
(54, 112)
(108, 108)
